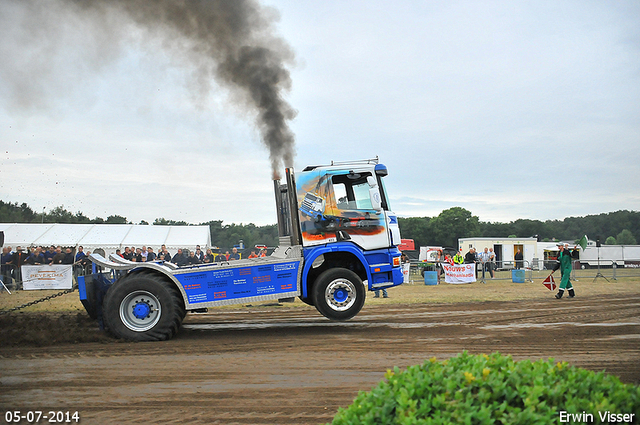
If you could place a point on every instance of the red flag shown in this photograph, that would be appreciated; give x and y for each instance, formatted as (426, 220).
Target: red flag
(550, 283)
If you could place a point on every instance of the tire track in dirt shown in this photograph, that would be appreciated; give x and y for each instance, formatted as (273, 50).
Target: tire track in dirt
(292, 367)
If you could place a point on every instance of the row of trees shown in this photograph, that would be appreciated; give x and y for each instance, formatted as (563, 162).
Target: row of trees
(620, 227)
(14, 213)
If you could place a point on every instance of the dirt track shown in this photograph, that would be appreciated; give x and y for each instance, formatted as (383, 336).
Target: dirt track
(294, 367)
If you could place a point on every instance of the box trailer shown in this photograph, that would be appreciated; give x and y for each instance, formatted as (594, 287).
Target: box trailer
(505, 250)
(607, 255)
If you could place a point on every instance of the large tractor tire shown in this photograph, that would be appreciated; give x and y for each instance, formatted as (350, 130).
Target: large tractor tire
(338, 294)
(143, 306)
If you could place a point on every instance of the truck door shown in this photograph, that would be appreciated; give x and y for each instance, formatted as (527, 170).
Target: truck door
(346, 204)
(354, 212)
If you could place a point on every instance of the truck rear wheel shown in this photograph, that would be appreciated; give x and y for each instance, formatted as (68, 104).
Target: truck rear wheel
(338, 294)
(143, 307)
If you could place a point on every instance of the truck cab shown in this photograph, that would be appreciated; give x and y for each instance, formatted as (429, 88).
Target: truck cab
(356, 228)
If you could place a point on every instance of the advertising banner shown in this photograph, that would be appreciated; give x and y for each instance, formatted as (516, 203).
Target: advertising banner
(55, 276)
(459, 273)
(405, 272)
(240, 282)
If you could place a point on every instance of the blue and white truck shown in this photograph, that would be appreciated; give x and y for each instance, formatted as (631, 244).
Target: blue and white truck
(329, 255)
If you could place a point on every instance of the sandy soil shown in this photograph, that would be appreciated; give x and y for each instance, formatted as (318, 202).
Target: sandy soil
(269, 365)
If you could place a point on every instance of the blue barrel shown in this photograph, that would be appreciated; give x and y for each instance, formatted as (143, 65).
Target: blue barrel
(430, 278)
(517, 276)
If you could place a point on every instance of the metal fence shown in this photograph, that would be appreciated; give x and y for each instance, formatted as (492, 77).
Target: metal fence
(502, 270)
(539, 269)
(607, 269)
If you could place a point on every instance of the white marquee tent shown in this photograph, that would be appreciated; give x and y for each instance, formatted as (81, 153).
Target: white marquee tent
(109, 237)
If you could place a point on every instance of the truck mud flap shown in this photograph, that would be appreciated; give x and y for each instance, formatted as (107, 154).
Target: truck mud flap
(92, 290)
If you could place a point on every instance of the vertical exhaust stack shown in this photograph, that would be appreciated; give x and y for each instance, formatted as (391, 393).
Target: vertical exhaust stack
(282, 212)
(296, 236)
(287, 210)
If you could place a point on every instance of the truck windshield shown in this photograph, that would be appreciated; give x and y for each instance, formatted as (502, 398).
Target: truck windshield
(352, 192)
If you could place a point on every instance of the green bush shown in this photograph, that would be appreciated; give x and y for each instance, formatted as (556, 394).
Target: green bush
(494, 389)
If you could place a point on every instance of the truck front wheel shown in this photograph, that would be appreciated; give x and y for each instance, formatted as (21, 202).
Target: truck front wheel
(338, 294)
(143, 307)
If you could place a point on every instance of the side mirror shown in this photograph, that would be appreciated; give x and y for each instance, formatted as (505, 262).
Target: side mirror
(374, 194)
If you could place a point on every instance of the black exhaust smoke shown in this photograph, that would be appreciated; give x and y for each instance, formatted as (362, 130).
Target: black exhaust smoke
(231, 42)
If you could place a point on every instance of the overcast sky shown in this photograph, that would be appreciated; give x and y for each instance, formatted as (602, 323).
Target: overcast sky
(509, 109)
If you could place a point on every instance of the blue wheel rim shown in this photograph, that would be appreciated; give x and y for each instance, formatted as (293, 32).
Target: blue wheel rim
(341, 295)
(141, 310)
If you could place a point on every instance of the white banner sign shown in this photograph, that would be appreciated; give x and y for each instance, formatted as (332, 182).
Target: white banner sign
(55, 276)
(405, 272)
(459, 273)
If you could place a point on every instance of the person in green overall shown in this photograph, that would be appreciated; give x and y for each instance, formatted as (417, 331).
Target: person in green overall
(563, 263)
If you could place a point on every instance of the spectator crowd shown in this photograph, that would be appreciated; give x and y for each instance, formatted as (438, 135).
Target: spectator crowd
(11, 261)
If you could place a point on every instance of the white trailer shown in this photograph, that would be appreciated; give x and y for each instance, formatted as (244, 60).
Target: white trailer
(505, 250)
(606, 255)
